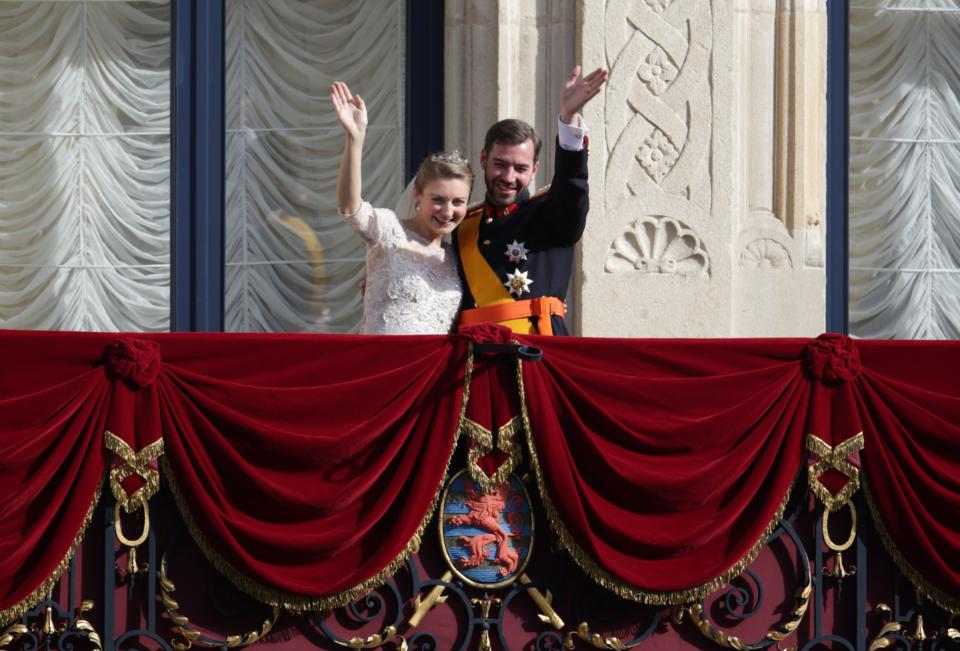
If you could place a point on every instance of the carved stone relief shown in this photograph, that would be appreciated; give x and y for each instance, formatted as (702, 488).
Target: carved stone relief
(658, 102)
(765, 243)
(657, 156)
(658, 109)
(657, 71)
(659, 245)
(765, 254)
(663, 134)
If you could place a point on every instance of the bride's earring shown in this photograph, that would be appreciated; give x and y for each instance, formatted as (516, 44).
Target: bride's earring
(416, 207)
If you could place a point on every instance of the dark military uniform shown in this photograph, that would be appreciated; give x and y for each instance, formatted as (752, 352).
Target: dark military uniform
(525, 250)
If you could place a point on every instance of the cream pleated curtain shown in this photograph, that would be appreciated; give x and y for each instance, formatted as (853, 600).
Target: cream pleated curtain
(85, 160)
(292, 263)
(85, 165)
(905, 169)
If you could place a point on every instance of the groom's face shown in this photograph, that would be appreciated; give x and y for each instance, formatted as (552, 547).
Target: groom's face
(507, 170)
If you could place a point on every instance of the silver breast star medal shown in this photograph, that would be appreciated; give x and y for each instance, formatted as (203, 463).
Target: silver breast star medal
(516, 252)
(518, 283)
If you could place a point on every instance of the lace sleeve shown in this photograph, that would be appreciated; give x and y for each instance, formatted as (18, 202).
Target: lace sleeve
(373, 225)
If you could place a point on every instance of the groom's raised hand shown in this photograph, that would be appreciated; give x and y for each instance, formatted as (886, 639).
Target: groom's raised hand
(577, 91)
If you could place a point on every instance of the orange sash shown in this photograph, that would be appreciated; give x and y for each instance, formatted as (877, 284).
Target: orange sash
(484, 284)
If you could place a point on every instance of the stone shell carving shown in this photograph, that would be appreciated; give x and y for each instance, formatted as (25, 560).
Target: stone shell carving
(660, 245)
(765, 253)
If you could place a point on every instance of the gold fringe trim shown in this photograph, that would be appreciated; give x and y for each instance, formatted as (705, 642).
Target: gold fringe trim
(480, 434)
(299, 603)
(835, 458)
(18, 610)
(605, 579)
(134, 463)
(923, 586)
(506, 443)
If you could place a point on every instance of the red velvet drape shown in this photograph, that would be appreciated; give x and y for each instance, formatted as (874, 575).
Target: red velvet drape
(305, 465)
(908, 400)
(666, 464)
(54, 401)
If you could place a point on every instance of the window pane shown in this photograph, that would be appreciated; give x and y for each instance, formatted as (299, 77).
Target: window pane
(905, 169)
(85, 165)
(291, 262)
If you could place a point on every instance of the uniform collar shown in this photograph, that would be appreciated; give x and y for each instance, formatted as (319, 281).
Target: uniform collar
(494, 210)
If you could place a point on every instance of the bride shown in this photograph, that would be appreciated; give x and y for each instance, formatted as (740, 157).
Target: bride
(412, 284)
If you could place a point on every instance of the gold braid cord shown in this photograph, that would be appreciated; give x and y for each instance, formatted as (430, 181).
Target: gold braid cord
(300, 603)
(604, 578)
(18, 610)
(835, 458)
(134, 463)
(923, 586)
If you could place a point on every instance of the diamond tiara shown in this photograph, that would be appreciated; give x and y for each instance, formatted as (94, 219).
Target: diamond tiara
(454, 157)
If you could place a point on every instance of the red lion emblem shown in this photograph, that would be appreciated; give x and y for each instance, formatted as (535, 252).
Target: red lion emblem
(485, 509)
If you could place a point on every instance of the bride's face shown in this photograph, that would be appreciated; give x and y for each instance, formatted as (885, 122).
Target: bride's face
(443, 205)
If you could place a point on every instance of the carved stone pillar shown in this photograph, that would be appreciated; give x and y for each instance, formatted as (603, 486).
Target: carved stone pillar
(707, 177)
(656, 258)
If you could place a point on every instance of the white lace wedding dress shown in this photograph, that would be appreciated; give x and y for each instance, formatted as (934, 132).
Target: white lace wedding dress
(412, 285)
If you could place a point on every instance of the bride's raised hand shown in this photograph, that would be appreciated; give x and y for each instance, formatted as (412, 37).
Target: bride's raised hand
(351, 110)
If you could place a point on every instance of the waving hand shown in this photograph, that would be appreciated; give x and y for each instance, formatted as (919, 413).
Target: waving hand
(351, 110)
(577, 91)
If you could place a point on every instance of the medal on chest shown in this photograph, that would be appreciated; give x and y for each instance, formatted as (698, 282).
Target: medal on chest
(517, 282)
(516, 252)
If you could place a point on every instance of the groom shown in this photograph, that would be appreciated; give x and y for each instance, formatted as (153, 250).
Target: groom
(516, 249)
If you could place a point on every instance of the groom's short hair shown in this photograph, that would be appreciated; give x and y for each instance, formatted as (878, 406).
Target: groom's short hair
(512, 132)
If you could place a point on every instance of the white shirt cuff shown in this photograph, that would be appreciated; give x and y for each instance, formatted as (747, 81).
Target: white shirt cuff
(570, 136)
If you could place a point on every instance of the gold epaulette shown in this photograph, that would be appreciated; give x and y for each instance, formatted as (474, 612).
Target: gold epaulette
(539, 193)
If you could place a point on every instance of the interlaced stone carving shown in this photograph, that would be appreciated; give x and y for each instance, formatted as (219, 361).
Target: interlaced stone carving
(658, 122)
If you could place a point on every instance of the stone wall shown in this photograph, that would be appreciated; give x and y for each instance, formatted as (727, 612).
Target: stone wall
(707, 173)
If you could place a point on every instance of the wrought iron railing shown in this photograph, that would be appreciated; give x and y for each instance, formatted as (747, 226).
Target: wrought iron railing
(823, 581)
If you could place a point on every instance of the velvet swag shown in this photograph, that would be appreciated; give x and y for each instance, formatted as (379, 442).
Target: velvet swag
(306, 467)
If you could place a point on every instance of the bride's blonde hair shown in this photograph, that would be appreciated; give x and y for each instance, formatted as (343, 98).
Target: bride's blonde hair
(443, 165)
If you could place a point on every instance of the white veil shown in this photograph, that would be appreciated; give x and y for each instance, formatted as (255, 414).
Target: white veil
(404, 208)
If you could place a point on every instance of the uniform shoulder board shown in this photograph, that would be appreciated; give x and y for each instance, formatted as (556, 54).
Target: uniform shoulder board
(542, 191)
(539, 193)
(475, 209)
